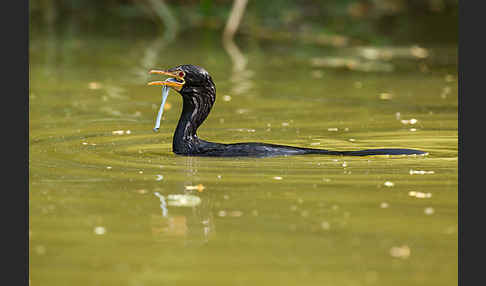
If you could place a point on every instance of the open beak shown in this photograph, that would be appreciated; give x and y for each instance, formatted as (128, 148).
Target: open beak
(175, 81)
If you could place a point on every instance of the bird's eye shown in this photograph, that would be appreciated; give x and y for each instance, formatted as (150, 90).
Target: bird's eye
(181, 74)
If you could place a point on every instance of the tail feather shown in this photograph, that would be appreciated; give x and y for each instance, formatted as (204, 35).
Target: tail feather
(370, 152)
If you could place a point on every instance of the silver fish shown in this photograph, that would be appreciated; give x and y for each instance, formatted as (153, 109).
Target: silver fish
(165, 93)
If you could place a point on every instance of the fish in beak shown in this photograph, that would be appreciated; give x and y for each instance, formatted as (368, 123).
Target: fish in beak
(175, 81)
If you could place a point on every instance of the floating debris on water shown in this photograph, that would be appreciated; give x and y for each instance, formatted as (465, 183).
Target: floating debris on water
(120, 132)
(384, 205)
(227, 98)
(345, 164)
(385, 96)
(419, 195)
(418, 172)
(277, 178)
(332, 129)
(94, 85)
(429, 211)
(400, 251)
(198, 188)
(99, 230)
(141, 191)
(411, 121)
(159, 177)
(388, 184)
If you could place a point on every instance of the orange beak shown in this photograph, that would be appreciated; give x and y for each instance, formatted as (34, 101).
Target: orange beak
(177, 84)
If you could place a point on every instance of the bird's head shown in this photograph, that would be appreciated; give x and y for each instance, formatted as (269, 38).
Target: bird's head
(188, 80)
(196, 87)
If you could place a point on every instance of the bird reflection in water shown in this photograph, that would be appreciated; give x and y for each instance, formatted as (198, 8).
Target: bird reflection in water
(187, 214)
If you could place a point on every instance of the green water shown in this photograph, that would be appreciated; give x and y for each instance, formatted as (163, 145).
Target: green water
(103, 204)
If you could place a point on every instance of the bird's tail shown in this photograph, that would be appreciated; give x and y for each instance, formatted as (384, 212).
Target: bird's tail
(368, 152)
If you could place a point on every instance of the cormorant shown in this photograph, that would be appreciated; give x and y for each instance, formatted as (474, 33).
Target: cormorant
(198, 92)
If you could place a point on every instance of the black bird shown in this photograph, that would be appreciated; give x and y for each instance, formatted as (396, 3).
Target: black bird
(199, 94)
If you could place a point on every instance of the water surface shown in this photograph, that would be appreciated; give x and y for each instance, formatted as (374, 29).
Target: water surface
(110, 204)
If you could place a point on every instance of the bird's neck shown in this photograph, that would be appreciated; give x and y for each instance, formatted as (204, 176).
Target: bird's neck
(194, 112)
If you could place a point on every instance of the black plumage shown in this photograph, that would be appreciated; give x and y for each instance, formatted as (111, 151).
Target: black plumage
(199, 94)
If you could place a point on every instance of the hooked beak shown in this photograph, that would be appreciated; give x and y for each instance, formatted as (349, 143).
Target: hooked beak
(175, 81)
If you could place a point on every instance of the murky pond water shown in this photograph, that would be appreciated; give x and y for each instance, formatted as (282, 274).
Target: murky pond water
(110, 204)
